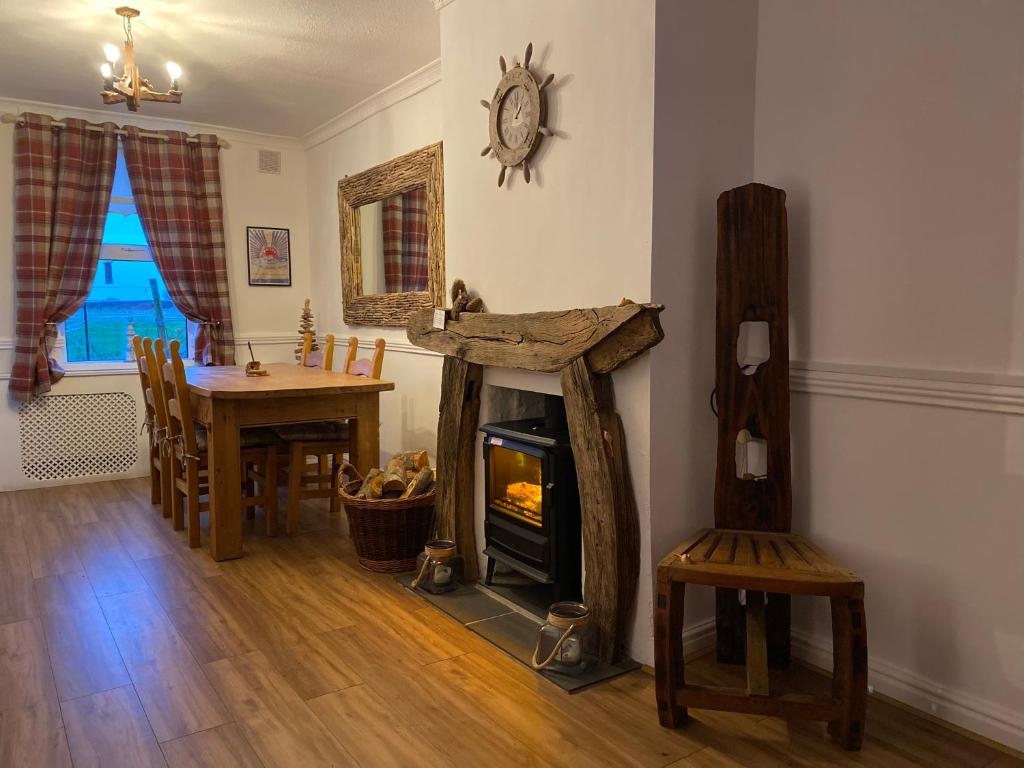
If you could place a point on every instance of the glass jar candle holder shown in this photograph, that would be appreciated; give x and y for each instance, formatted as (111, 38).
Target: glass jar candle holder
(562, 639)
(439, 568)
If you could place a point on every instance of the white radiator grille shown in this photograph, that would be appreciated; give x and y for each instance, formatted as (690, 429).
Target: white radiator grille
(66, 436)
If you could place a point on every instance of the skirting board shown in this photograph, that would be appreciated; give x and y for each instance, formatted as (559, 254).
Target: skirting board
(965, 710)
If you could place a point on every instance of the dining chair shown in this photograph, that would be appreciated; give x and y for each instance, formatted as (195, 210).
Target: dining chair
(153, 427)
(188, 442)
(326, 441)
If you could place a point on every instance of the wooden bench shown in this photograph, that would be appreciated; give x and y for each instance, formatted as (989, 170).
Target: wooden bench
(762, 563)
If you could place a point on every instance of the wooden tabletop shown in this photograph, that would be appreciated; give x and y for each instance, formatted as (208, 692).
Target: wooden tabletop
(284, 380)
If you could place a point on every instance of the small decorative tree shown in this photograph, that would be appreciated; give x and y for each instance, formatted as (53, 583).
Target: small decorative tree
(306, 326)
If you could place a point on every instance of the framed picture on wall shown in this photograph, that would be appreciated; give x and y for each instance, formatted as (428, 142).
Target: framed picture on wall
(270, 256)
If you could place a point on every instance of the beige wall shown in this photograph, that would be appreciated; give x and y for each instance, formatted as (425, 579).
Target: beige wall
(264, 315)
(895, 129)
(391, 128)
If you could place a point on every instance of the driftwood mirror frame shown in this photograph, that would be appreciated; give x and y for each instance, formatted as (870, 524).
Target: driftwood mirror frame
(422, 167)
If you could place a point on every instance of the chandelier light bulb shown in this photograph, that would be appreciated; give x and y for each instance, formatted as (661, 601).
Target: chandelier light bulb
(107, 71)
(111, 52)
(173, 70)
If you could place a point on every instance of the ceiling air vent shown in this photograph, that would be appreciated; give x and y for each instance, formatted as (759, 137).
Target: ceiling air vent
(269, 161)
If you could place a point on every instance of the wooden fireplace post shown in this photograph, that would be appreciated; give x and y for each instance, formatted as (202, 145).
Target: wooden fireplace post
(456, 432)
(606, 504)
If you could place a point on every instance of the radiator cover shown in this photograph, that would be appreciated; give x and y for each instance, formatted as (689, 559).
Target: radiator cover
(69, 436)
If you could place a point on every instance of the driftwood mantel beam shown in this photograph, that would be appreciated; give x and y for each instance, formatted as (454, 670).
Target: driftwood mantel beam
(608, 337)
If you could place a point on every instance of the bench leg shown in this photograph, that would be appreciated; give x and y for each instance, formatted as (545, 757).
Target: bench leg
(668, 649)
(850, 670)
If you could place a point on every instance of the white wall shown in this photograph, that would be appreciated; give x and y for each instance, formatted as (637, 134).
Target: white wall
(580, 234)
(703, 145)
(264, 315)
(399, 120)
(896, 130)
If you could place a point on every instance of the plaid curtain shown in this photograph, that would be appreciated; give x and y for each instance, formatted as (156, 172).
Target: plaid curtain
(391, 220)
(176, 188)
(405, 241)
(414, 240)
(62, 181)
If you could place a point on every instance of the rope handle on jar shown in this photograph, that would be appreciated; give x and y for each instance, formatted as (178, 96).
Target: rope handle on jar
(421, 574)
(554, 651)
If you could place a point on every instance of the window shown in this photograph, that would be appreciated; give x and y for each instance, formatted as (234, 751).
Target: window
(128, 297)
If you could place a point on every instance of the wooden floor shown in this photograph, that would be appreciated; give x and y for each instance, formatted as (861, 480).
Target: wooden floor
(119, 646)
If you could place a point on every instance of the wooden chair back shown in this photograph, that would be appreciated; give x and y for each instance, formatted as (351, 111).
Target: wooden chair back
(368, 367)
(155, 393)
(179, 407)
(146, 381)
(327, 353)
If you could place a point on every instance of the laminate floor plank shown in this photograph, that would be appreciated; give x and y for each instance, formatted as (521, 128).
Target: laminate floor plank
(26, 679)
(139, 532)
(83, 653)
(17, 599)
(110, 568)
(276, 722)
(366, 725)
(110, 730)
(34, 736)
(176, 696)
(48, 542)
(220, 747)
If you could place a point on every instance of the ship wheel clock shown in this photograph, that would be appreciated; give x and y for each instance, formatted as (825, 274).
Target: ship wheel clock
(516, 116)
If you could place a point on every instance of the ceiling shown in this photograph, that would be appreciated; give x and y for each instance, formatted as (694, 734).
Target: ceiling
(274, 66)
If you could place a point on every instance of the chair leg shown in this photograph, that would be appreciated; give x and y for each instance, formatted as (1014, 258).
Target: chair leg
(192, 479)
(849, 671)
(668, 649)
(249, 489)
(154, 476)
(336, 461)
(166, 485)
(296, 468)
(270, 490)
(321, 469)
(177, 496)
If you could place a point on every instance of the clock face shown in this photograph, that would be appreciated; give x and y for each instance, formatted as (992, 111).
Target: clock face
(515, 117)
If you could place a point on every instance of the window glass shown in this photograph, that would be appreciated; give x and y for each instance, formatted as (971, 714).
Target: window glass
(128, 296)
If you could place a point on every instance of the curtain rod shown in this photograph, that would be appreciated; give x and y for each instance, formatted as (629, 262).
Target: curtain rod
(10, 117)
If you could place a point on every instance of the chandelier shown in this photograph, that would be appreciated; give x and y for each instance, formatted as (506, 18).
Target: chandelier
(131, 87)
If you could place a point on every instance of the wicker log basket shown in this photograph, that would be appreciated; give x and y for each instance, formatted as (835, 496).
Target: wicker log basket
(388, 534)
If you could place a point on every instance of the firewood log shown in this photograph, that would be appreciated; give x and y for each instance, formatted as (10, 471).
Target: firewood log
(423, 480)
(411, 460)
(361, 493)
(375, 490)
(394, 477)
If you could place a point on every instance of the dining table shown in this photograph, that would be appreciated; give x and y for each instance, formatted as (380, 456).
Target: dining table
(225, 400)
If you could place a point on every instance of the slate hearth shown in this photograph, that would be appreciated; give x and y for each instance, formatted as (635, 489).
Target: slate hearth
(511, 629)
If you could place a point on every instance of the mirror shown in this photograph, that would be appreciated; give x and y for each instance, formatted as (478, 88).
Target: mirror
(392, 239)
(394, 243)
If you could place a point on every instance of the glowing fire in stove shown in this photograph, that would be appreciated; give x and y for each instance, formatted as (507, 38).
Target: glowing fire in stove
(525, 495)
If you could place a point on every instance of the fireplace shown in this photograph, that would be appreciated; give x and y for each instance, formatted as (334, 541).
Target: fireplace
(532, 506)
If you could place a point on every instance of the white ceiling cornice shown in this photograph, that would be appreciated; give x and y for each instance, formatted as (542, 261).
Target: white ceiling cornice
(408, 86)
(232, 135)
